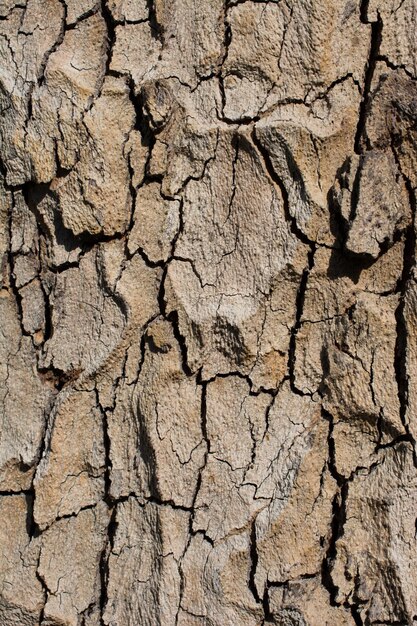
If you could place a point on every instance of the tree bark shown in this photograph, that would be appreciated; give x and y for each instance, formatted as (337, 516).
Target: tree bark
(208, 312)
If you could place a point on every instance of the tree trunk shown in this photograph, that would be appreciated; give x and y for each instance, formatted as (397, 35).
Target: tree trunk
(208, 312)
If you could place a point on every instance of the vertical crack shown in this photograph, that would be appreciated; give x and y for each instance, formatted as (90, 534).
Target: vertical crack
(338, 514)
(253, 553)
(111, 528)
(111, 34)
(299, 307)
(376, 38)
(401, 344)
(156, 28)
(104, 562)
(227, 39)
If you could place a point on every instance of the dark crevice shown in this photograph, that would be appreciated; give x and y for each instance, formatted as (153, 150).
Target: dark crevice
(45, 592)
(48, 329)
(376, 38)
(268, 615)
(107, 451)
(59, 378)
(173, 318)
(156, 28)
(338, 514)
(227, 39)
(286, 583)
(246, 377)
(108, 499)
(148, 262)
(337, 529)
(407, 438)
(81, 18)
(253, 553)
(104, 563)
(170, 503)
(12, 278)
(204, 416)
(111, 33)
(299, 307)
(36, 530)
(331, 460)
(354, 610)
(17, 492)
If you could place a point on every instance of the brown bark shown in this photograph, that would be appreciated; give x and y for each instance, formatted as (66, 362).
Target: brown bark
(208, 312)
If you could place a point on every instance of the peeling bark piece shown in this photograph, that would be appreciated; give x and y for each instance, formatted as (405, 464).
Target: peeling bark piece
(70, 475)
(124, 432)
(33, 310)
(138, 287)
(183, 149)
(24, 243)
(360, 386)
(192, 36)
(383, 276)
(306, 147)
(294, 443)
(235, 424)
(137, 155)
(242, 221)
(123, 425)
(216, 582)
(156, 224)
(25, 269)
(95, 197)
(37, 222)
(282, 52)
(69, 565)
(73, 77)
(392, 116)
(135, 52)
(374, 203)
(28, 35)
(25, 400)
(5, 206)
(167, 407)
(334, 285)
(376, 552)
(88, 320)
(251, 67)
(225, 503)
(21, 593)
(144, 566)
(360, 379)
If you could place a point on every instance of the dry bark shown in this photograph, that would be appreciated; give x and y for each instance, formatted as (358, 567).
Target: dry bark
(208, 312)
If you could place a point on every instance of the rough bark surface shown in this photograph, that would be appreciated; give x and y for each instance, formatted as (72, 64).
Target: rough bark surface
(208, 302)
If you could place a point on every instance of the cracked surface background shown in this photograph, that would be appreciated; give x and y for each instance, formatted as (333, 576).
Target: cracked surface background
(208, 312)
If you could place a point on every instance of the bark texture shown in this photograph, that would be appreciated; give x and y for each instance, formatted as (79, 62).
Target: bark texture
(208, 302)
